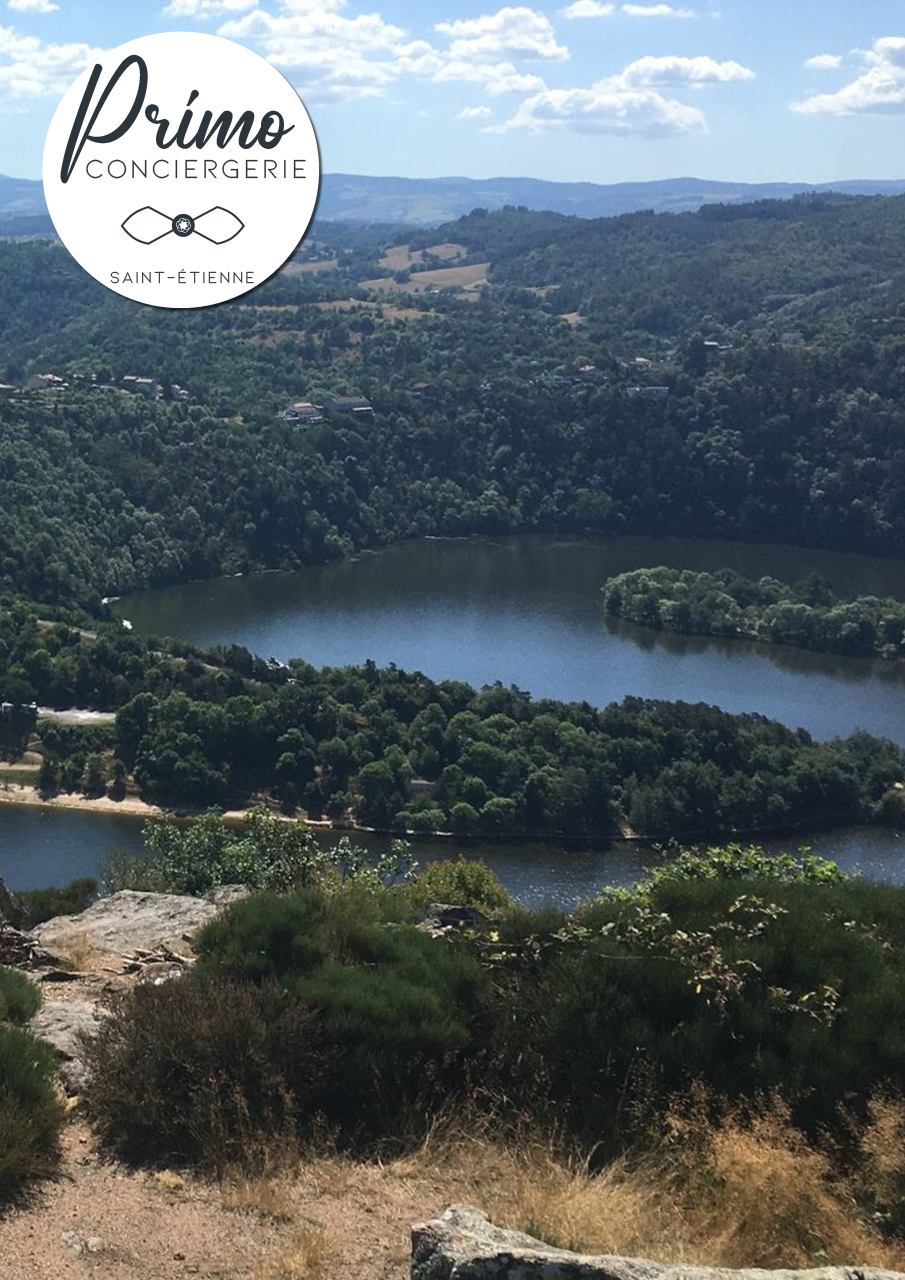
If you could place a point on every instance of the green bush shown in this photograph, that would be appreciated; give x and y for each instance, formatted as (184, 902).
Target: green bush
(44, 904)
(19, 997)
(216, 1071)
(749, 986)
(31, 1115)
(392, 1004)
(265, 936)
(462, 883)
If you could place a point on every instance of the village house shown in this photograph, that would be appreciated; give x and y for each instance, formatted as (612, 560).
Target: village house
(178, 392)
(45, 382)
(591, 373)
(303, 411)
(7, 390)
(423, 391)
(358, 406)
(147, 387)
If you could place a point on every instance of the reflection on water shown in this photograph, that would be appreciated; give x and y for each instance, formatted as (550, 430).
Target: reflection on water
(40, 847)
(527, 611)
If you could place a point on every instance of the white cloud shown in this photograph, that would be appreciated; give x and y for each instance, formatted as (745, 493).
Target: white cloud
(33, 6)
(29, 68)
(588, 9)
(332, 54)
(637, 101)
(205, 8)
(605, 108)
(676, 70)
(511, 30)
(474, 113)
(824, 62)
(656, 11)
(497, 77)
(334, 57)
(879, 90)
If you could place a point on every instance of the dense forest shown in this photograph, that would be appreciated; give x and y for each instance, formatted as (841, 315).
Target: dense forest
(806, 614)
(401, 752)
(777, 332)
(721, 374)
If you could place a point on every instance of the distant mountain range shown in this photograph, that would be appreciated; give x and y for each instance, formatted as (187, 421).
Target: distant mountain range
(348, 197)
(422, 201)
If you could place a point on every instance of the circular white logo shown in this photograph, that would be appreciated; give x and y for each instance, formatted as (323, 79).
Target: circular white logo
(181, 170)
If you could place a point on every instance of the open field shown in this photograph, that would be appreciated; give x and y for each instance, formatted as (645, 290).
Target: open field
(470, 277)
(401, 257)
(309, 268)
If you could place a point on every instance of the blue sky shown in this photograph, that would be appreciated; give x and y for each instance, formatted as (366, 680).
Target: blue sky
(753, 90)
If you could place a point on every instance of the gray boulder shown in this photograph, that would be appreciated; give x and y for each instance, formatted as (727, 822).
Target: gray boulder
(464, 1244)
(62, 1024)
(126, 921)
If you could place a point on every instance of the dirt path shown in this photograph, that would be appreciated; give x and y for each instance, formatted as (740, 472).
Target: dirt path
(333, 1221)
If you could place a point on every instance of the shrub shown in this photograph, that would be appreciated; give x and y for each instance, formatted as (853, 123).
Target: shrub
(751, 986)
(399, 1020)
(19, 997)
(216, 1071)
(463, 883)
(44, 904)
(265, 936)
(394, 1006)
(31, 1115)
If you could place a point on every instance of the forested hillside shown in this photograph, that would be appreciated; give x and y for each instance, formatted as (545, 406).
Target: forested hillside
(774, 332)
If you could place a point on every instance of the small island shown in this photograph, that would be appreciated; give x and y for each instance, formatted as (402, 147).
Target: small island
(807, 615)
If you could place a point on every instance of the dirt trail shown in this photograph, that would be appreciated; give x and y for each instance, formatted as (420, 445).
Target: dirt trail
(360, 1217)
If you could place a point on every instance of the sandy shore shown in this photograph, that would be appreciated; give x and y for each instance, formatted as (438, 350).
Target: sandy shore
(131, 806)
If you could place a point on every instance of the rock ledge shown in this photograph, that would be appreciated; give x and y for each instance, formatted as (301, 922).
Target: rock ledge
(464, 1244)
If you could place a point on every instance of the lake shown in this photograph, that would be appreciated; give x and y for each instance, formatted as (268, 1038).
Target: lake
(39, 847)
(526, 611)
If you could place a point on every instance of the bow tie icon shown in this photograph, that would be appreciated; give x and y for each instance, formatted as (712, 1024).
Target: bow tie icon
(148, 225)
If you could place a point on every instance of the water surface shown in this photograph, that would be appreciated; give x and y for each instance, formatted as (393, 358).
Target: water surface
(41, 847)
(527, 611)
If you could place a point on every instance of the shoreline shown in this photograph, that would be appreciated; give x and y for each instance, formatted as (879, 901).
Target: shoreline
(136, 808)
(130, 806)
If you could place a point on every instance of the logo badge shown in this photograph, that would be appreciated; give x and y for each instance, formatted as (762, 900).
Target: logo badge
(181, 170)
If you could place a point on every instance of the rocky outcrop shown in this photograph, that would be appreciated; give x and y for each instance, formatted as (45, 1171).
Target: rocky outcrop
(62, 1024)
(464, 1245)
(444, 919)
(128, 920)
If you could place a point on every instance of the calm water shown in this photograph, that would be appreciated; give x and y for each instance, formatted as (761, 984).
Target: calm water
(39, 848)
(525, 611)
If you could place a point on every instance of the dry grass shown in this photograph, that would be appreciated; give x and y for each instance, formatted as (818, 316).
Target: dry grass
(79, 952)
(310, 268)
(401, 256)
(305, 1257)
(448, 251)
(747, 1192)
(398, 257)
(266, 1196)
(168, 1181)
(470, 277)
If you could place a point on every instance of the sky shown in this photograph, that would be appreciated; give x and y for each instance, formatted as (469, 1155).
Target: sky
(741, 90)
